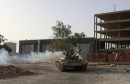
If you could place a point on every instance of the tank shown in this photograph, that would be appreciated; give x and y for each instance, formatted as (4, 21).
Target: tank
(70, 60)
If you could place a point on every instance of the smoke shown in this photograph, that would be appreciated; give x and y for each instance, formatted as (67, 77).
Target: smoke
(28, 58)
(3, 56)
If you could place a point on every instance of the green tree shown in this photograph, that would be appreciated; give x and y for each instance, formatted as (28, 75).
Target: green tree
(63, 37)
(61, 31)
(79, 35)
(3, 45)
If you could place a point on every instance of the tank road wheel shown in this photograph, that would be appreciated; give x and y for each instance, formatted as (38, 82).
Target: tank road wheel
(84, 68)
(62, 68)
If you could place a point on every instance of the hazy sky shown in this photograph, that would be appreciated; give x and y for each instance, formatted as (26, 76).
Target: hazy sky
(33, 19)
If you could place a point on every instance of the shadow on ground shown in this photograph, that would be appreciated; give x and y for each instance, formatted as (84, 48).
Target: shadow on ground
(101, 70)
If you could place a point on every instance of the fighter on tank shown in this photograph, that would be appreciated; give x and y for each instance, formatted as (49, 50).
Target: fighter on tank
(70, 60)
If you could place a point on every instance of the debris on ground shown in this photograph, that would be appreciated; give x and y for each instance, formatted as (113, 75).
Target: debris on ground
(127, 70)
(112, 65)
(11, 71)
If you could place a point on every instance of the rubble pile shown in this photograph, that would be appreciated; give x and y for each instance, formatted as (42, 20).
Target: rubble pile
(13, 71)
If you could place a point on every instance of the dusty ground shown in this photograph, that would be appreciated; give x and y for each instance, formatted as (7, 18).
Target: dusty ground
(102, 74)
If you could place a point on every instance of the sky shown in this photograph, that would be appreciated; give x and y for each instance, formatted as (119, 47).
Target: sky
(33, 19)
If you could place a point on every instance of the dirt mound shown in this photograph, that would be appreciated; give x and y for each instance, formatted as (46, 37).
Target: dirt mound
(13, 71)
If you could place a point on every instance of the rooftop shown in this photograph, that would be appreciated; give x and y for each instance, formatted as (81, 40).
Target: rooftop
(113, 14)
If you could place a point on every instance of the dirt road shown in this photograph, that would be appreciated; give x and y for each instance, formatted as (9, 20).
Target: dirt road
(102, 74)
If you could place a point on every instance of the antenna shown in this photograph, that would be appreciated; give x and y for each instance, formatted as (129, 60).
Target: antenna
(114, 7)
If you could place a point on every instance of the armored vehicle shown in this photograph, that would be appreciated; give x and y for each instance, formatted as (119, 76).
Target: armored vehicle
(70, 60)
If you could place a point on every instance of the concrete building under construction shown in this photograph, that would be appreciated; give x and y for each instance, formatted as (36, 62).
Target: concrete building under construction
(112, 30)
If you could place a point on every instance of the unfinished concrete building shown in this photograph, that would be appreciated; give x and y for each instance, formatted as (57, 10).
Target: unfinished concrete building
(112, 30)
